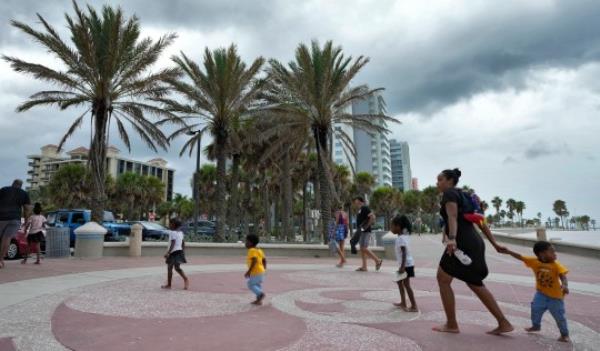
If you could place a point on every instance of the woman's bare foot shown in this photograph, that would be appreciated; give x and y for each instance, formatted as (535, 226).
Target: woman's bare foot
(411, 309)
(445, 329)
(564, 339)
(503, 327)
(37, 262)
(532, 329)
(400, 305)
(186, 284)
(165, 286)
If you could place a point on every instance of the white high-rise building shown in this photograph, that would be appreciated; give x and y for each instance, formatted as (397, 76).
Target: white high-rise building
(42, 166)
(373, 148)
(342, 155)
(401, 173)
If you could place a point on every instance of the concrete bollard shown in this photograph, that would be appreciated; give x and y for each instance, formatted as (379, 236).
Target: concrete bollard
(135, 240)
(540, 233)
(89, 240)
(389, 244)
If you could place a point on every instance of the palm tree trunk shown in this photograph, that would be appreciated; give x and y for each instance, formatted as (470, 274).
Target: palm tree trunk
(321, 139)
(97, 161)
(304, 212)
(287, 197)
(221, 200)
(266, 204)
(233, 190)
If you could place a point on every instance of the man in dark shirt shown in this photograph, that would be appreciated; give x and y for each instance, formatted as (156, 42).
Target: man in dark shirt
(14, 202)
(364, 221)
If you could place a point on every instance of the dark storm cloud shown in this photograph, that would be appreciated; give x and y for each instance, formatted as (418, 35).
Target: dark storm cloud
(489, 53)
(491, 50)
(542, 148)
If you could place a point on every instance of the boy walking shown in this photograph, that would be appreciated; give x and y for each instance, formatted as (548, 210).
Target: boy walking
(257, 265)
(551, 286)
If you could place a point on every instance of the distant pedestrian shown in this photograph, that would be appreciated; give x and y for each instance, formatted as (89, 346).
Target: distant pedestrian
(364, 221)
(401, 226)
(342, 228)
(175, 255)
(14, 204)
(36, 232)
(551, 285)
(257, 266)
(460, 234)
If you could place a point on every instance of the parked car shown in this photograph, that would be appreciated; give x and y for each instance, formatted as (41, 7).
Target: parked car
(204, 227)
(152, 230)
(18, 245)
(74, 219)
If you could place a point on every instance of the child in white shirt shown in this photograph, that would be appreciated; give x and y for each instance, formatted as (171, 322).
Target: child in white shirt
(402, 227)
(175, 255)
(35, 227)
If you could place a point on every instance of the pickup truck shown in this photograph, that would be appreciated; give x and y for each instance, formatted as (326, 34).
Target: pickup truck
(74, 219)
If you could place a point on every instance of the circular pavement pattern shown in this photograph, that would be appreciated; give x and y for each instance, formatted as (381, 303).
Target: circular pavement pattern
(313, 308)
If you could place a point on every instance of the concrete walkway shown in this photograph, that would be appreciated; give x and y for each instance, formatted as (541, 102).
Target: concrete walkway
(117, 304)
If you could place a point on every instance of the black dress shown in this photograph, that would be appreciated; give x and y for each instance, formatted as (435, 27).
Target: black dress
(469, 241)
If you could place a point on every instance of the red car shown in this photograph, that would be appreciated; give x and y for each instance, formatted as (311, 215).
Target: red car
(19, 246)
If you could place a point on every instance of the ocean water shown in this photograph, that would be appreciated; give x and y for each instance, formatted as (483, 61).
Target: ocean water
(588, 238)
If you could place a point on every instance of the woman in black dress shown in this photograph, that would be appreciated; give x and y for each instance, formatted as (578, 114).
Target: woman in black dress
(461, 234)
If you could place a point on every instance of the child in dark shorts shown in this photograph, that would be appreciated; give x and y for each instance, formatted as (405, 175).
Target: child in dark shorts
(175, 255)
(35, 227)
(402, 227)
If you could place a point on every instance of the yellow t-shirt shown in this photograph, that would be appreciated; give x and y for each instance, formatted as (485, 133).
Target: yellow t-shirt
(259, 268)
(547, 276)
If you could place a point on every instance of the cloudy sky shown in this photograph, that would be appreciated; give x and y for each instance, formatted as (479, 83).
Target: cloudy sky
(507, 91)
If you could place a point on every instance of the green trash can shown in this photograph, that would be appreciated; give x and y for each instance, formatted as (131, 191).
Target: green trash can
(58, 242)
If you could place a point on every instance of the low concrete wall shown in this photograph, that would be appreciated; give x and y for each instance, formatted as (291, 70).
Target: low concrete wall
(112, 249)
(571, 248)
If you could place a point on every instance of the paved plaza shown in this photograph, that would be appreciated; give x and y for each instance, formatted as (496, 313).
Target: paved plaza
(117, 304)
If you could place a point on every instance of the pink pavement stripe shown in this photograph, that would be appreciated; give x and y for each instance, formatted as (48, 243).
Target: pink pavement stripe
(472, 337)
(234, 282)
(321, 307)
(6, 344)
(263, 328)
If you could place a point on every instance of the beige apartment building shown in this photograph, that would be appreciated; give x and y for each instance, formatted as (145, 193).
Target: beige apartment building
(45, 164)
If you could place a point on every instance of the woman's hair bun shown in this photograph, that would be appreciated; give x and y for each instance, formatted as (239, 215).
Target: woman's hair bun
(457, 172)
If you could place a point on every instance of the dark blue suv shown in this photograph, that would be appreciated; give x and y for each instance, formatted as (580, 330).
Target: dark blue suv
(74, 219)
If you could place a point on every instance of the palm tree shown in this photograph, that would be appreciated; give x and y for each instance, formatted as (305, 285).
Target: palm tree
(153, 191)
(484, 206)
(363, 183)
(129, 190)
(206, 188)
(560, 208)
(497, 203)
(217, 96)
(315, 88)
(69, 187)
(386, 200)
(430, 204)
(519, 208)
(510, 206)
(105, 73)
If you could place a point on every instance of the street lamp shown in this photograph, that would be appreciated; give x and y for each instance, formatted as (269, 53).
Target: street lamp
(195, 194)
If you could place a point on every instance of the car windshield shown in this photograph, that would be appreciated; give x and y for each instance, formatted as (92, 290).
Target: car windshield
(51, 218)
(152, 225)
(203, 224)
(108, 216)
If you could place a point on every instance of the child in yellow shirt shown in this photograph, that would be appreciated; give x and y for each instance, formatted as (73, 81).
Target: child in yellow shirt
(257, 265)
(551, 286)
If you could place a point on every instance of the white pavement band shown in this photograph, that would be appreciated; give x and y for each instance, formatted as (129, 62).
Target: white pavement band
(20, 291)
